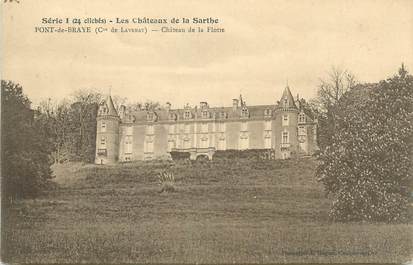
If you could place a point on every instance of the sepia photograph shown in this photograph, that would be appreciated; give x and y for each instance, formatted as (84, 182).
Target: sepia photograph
(206, 132)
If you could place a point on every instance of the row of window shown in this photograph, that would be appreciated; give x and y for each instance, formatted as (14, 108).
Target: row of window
(204, 126)
(204, 142)
(151, 116)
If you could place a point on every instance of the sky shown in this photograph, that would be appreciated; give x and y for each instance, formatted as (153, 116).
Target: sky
(265, 43)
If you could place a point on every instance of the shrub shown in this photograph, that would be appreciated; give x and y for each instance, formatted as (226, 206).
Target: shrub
(366, 167)
(166, 181)
(180, 155)
(243, 154)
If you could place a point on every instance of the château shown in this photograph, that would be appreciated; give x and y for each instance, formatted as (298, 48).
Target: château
(126, 135)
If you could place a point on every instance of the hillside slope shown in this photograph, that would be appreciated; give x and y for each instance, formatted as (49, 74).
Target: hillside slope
(221, 212)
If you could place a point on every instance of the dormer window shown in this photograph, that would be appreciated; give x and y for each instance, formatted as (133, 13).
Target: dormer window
(223, 115)
(301, 118)
(172, 116)
(245, 113)
(103, 110)
(267, 112)
(285, 102)
(187, 115)
(151, 116)
(205, 114)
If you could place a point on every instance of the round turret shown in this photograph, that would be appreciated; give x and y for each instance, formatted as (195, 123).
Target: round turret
(285, 137)
(107, 133)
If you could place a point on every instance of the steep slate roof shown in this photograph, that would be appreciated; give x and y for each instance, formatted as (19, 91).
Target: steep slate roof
(255, 112)
(290, 99)
(111, 107)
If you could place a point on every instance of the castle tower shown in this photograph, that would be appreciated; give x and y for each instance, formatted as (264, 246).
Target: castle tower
(286, 142)
(107, 133)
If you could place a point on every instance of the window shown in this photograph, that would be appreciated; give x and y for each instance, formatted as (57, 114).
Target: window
(221, 127)
(285, 138)
(103, 126)
(102, 110)
(187, 115)
(149, 116)
(171, 145)
(187, 128)
(267, 142)
(244, 113)
(267, 126)
(285, 121)
(204, 127)
(223, 115)
(204, 142)
(267, 112)
(149, 129)
(267, 139)
(243, 141)
(129, 130)
(244, 127)
(301, 118)
(302, 130)
(171, 128)
(187, 143)
(128, 144)
(103, 142)
(222, 143)
(148, 148)
(172, 116)
(285, 102)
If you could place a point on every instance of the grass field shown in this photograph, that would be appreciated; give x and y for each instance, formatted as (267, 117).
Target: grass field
(236, 211)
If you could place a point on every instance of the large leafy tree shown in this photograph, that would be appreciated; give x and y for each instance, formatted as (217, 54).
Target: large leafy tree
(365, 168)
(25, 148)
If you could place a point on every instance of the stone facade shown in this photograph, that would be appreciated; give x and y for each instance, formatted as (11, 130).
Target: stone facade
(201, 130)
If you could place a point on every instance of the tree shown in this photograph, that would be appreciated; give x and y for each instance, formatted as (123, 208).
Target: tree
(71, 125)
(25, 149)
(327, 104)
(365, 168)
(82, 125)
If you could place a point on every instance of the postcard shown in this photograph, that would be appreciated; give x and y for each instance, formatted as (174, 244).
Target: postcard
(206, 132)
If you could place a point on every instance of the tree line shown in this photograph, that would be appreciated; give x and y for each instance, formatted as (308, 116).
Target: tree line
(365, 139)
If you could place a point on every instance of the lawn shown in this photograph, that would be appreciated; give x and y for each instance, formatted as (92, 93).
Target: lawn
(225, 211)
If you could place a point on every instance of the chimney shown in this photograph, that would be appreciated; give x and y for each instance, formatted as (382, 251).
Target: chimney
(235, 104)
(203, 104)
(168, 106)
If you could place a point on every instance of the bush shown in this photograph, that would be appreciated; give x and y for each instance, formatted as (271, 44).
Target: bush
(366, 167)
(243, 154)
(180, 155)
(167, 181)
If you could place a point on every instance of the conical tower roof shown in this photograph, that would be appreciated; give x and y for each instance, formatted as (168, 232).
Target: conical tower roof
(287, 99)
(111, 111)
